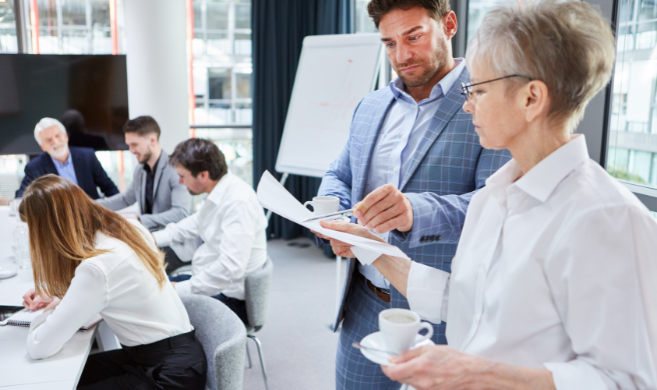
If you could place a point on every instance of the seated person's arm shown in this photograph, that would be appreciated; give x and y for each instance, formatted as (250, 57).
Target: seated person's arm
(120, 201)
(177, 232)
(30, 176)
(85, 298)
(238, 228)
(181, 201)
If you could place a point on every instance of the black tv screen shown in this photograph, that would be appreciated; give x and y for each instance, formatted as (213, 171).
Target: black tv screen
(87, 93)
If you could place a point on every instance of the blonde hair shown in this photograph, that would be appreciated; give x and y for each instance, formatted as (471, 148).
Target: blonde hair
(63, 222)
(565, 44)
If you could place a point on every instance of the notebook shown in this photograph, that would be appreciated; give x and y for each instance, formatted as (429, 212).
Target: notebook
(24, 318)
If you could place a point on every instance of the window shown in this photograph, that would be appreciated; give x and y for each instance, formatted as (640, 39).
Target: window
(8, 42)
(363, 22)
(222, 62)
(222, 70)
(632, 153)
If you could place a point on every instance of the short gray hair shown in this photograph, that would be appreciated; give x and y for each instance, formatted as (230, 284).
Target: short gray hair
(44, 124)
(565, 44)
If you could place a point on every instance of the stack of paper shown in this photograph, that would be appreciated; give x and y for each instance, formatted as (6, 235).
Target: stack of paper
(273, 196)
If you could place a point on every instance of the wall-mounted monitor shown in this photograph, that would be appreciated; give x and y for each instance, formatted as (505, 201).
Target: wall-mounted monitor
(87, 93)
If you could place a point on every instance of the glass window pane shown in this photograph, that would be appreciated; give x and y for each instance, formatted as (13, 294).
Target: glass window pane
(198, 14)
(218, 44)
(47, 13)
(243, 113)
(243, 15)
(243, 85)
(219, 83)
(364, 23)
(8, 43)
(477, 9)
(243, 44)
(633, 127)
(74, 12)
(75, 42)
(100, 14)
(217, 16)
(219, 113)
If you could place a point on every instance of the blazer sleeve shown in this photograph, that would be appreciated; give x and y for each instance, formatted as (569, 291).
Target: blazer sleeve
(442, 217)
(121, 201)
(106, 185)
(30, 176)
(181, 202)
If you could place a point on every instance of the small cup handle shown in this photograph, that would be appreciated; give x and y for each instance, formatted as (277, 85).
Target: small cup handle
(428, 327)
(310, 202)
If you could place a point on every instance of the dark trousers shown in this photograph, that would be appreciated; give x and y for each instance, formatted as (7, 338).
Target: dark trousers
(238, 306)
(176, 362)
(172, 260)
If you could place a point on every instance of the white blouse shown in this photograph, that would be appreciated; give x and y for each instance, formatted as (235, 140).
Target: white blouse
(546, 275)
(117, 286)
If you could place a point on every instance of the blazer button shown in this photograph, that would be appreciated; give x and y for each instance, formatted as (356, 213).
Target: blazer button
(423, 239)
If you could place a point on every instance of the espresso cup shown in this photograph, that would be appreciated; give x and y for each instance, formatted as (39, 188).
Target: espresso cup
(324, 204)
(400, 328)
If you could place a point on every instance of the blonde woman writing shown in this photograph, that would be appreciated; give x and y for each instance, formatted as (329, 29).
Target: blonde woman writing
(550, 282)
(96, 262)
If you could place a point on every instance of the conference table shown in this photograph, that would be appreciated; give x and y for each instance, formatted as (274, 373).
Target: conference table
(17, 370)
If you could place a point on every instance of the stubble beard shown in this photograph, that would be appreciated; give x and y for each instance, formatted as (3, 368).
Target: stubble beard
(435, 65)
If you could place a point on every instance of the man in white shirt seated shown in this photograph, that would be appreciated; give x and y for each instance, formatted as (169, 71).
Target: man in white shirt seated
(230, 222)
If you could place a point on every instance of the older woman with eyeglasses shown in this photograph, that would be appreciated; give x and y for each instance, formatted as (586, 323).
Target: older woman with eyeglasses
(552, 285)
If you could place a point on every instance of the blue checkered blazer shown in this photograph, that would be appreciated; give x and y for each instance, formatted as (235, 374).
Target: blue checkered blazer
(447, 168)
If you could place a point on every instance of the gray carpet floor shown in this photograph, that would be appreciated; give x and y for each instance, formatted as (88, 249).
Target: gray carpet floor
(299, 349)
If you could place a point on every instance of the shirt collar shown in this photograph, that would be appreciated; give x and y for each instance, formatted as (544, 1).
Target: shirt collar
(220, 189)
(439, 90)
(147, 168)
(543, 178)
(59, 164)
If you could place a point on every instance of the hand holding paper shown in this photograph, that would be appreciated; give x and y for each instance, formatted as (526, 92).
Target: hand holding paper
(273, 196)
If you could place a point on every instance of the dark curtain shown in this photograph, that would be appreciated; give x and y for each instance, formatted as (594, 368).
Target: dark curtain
(278, 29)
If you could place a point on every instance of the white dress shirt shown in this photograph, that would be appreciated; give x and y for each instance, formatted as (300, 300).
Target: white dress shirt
(232, 225)
(116, 285)
(402, 130)
(546, 275)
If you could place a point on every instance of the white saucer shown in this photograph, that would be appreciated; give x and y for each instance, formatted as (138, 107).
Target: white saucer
(375, 340)
(7, 270)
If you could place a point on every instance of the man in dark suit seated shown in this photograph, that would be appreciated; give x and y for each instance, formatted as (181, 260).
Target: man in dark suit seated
(79, 165)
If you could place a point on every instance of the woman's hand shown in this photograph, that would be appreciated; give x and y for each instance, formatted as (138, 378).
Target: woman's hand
(441, 367)
(35, 302)
(340, 248)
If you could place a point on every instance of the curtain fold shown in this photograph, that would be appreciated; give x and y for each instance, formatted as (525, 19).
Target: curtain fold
(278, 30)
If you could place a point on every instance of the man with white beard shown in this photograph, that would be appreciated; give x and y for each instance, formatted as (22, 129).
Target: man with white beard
(79, 165)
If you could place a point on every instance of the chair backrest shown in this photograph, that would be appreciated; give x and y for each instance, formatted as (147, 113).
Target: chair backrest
(256, 292)
(223, 337)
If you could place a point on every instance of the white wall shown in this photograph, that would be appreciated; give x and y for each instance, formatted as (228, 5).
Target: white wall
(157, 68)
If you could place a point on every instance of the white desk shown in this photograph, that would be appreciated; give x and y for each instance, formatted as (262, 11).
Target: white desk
(17, 370)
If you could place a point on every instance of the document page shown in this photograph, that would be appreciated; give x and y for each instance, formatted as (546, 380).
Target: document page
(273, 196)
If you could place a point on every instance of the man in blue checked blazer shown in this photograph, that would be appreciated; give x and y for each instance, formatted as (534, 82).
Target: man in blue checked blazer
(413, 161)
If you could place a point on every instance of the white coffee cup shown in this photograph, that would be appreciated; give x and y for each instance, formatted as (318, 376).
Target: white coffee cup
(400, 328)
(324, 204)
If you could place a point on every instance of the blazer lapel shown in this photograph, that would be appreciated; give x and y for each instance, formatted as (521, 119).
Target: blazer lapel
(164, 159)
(49, 166)
(448, 107)
(78, 166)
(369, 140)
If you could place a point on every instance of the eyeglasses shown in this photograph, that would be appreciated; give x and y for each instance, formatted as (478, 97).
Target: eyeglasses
(467, 87)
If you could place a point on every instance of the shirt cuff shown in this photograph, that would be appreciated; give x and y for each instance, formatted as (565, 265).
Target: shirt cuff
(162, 238)
(427, 292)
(184, 288)
(575, 375)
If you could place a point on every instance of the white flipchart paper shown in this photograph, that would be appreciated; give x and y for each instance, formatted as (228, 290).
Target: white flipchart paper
(273, 196)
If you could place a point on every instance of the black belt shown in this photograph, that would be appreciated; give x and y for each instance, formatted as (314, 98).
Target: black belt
(380, 293)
